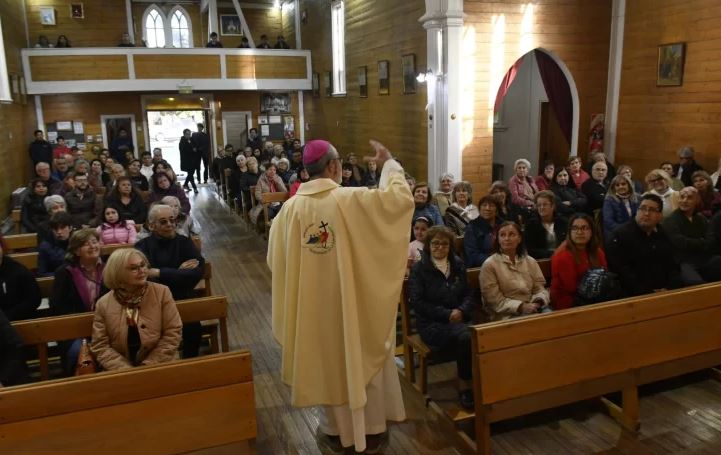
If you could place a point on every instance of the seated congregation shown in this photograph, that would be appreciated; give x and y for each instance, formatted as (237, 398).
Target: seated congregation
(599, 235)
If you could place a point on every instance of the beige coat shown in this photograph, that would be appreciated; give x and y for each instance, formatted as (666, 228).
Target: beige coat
(338, 257)
(263, 186)
(159, 326)
(505, 286)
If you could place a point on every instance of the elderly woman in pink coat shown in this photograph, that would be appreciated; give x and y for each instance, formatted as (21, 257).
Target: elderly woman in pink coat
(522, 187)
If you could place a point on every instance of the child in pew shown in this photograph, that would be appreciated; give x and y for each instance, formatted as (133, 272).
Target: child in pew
(51, 253)
(185, 223)
(415, 248)
(115, 229)
(77, 286)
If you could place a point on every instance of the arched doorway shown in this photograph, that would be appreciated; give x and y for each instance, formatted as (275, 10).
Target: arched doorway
(535, 114)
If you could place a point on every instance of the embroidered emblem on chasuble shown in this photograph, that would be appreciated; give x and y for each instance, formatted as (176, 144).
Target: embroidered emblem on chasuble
(319, 238)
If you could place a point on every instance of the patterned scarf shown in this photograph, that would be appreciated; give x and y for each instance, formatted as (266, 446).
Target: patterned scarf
(130, 301)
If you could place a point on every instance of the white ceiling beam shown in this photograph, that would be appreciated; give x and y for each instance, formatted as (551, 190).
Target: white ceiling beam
(243, 23)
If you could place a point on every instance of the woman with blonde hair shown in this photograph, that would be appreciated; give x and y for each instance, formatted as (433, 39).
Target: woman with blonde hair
(620, 204)
(660, 183)
(137, 323)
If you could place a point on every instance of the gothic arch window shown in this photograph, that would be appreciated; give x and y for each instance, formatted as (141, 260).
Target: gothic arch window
(181, 30)
(154, 27)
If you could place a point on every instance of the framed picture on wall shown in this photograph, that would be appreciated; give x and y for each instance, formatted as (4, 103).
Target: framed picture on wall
(384, 83)
(230, 25)
(275, 103)
(363, 81)
(77, 11)
(408, 64)
(327, 84)
(316, 85)
(670, 64)
(47, 15)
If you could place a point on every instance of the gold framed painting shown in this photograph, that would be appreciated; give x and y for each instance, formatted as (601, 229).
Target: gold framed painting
(670, 64)
(408, 63)
(384, 82)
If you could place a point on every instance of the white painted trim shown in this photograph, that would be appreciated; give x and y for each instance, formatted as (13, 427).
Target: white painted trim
(134, 133)
(203, 6)
(212, 18)
(6, 95)
(243, 23)
(613, 86)
(131, 66)
(145, 85)
(246, 5)
(298, 41)
(574, 98)
(27, 29)
(40, 117)
(223, 67)
(129, 17)
(165, 51)
(301, 118)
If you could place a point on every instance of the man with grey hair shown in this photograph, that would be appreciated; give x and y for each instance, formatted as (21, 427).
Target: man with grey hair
(442, 199)
(338, 257)
(687, 165)
(176, 263)
(53, 204)
(42, 170)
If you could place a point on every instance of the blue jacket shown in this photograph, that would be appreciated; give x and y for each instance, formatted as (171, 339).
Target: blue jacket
(478, 241)
(431, 212)
(615, 214)
(51, 255)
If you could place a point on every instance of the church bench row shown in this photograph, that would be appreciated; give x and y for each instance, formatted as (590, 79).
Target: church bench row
(40, 332)
(524, 365)
(17, 242)
(175, 407)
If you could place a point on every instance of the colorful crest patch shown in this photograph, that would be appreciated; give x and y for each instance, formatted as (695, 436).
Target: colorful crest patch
(319, 238)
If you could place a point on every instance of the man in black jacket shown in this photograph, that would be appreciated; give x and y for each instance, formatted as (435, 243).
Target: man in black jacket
(40, 149)
(176, 263)
(686, 166)
(640, 252)
(202, 145)
(13, 369)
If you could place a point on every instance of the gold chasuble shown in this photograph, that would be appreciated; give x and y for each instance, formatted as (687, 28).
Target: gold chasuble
(338, 257)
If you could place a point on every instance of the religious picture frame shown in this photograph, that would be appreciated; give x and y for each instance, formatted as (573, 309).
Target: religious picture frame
(275, 103)
(671, 58)
(384, 82)
(47, 15)
(316, 85)
(230, 25)
(363, 81)
(408, 65)
(77, 11)
(327, 84)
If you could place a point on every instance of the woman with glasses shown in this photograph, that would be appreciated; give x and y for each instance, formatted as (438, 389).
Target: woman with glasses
(440, 296)
(137, 322)
(78, 285)
(512, 283)
(660, 183)
(579, 252)
(546, 228)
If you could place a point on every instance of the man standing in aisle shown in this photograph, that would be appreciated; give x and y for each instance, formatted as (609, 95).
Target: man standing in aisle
(335, 316)
(202, 145)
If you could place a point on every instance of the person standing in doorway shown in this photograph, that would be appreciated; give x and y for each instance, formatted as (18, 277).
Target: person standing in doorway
(40, 150)
(189, 159)
(202, 146)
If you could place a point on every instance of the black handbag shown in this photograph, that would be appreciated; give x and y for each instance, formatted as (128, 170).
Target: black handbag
(597, 285)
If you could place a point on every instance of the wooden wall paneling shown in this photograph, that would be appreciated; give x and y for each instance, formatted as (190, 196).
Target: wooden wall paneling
(654, 122)
(199, 36)
(375, 30)
(288, 24)
(265, 67)
(249, 101)
(177, 66)
(88, 107)
(577, 31)
(261, 21)
(78, 67)
(17, 120)
(105, 21)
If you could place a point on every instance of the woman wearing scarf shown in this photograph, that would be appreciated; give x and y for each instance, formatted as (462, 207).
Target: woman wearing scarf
(136, 323)
(78, 285)
(620, 204)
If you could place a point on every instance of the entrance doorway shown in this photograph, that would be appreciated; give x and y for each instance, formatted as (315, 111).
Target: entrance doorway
(235, 128)
(110, 125)
(165, 128)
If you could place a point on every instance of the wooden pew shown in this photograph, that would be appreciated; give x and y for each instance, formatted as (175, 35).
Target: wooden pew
(268, 198)
(16, 216)
(20, 242)
(39, 332)
(524, 365)
(175, 407)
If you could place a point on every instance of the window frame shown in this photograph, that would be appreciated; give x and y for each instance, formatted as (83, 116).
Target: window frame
(337, 15)
(6, 96)
(146, 14)
(168, 25)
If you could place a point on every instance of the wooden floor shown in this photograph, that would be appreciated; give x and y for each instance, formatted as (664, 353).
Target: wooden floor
(678, 417)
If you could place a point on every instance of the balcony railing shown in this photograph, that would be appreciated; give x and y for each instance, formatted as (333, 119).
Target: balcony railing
(98, 69)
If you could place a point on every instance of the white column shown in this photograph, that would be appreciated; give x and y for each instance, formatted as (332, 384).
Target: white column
(300, 127)
(615, 60)
(443, 22)
(212, 17)
(298, 44)
(129, 15)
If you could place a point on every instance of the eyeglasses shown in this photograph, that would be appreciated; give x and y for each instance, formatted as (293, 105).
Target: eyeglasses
(437, 244)
(583, 228)
(165, 221)
(647, 209)
(657, 179)
(138, 268)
